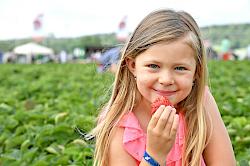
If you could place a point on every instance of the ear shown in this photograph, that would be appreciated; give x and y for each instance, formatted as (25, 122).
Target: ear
(196, 75)
(131, 65)
(194, 80)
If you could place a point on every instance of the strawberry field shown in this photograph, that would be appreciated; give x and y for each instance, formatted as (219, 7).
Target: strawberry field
(44, 107)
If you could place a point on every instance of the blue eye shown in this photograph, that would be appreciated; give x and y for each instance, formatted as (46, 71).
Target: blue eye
(180, 68)
(153, 66)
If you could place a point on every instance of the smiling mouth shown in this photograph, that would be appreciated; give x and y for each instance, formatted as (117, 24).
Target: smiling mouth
(165, 93)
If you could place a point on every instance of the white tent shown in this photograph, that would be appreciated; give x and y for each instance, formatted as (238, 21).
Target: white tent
(32, 49)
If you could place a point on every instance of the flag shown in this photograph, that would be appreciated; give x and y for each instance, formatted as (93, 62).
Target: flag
(38, 35)
(122, 33)
(122, 24)
(38, 21)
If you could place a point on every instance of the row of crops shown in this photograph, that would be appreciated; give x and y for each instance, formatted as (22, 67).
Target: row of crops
(41, 106)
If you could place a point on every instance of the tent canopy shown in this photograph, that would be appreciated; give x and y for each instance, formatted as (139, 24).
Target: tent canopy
(32, 49)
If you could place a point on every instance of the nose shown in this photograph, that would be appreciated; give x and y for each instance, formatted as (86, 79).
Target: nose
(166, 78)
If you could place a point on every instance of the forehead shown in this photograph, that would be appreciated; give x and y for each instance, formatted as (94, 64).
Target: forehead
(175, 52)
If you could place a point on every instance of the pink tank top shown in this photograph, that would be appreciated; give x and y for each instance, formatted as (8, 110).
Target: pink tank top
(134, 140)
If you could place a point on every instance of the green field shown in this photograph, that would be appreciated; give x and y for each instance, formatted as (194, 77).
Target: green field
(41, 106)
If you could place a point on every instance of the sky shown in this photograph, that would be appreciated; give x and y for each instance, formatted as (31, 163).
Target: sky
(75, 18)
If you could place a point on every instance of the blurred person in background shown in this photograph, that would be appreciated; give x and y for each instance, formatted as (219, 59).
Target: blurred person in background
(211, 53)
(63, 56)
(248, 52)
(1, 57)
(226, 49)
(109, 60)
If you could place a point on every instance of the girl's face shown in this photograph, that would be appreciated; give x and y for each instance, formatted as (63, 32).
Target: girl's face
(164, 70)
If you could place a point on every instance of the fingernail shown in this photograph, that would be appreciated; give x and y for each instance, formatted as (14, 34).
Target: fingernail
(163, 106)
(169, 107)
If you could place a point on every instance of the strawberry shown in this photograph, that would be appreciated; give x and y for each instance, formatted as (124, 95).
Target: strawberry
(163, 100)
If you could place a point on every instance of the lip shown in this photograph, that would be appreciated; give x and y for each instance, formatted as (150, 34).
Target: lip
(165, 93)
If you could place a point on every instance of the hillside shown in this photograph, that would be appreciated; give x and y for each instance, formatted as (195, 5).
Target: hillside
(239, 34)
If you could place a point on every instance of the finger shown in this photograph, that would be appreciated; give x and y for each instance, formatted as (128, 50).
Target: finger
(154, 119)
(163, 120)
(175, 125)
(169, 123)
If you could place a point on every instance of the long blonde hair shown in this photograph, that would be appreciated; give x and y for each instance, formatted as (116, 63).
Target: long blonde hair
(163, 25)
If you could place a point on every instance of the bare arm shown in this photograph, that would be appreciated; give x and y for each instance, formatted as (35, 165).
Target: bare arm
(219, 149)
(117, 154)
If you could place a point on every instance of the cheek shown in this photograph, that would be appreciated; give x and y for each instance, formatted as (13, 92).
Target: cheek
(144, 84)
(186, 84)
(142, 77)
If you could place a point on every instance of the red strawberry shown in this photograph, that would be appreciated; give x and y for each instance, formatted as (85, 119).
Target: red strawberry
(163, 100)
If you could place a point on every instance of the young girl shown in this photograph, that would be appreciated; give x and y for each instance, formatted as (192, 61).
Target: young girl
(164, 57)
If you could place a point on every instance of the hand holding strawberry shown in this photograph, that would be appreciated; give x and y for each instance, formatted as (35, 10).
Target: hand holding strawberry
(161, 130)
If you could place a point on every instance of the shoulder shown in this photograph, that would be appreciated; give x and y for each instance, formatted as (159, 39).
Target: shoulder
(210, 104)
(117, 154)
(219, 149)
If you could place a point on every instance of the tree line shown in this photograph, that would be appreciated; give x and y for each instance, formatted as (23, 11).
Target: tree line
(239, 34)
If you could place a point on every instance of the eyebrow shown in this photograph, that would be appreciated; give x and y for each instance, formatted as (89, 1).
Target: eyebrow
(151, 61)
(175, 64)
(184, 63)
